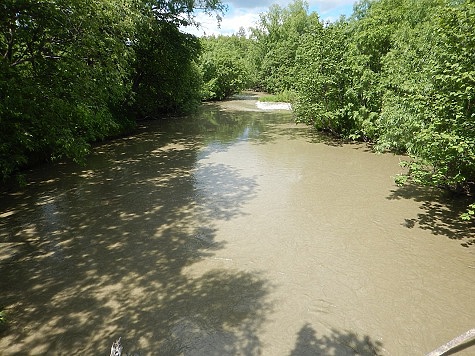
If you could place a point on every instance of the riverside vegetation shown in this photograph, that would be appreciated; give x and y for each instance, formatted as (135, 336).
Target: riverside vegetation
(397, 73)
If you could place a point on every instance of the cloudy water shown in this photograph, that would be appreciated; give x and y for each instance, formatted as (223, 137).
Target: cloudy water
(233, 232)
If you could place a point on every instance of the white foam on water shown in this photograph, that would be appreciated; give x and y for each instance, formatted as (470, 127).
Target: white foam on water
(273, 106)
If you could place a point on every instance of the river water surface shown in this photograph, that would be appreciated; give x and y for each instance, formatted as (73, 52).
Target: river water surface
(233, 232)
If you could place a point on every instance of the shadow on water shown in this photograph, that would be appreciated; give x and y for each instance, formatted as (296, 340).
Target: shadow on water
(440, 213)
(91, 254)
(337, 343)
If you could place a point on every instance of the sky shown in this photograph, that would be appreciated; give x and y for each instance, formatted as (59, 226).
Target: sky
(245, 13)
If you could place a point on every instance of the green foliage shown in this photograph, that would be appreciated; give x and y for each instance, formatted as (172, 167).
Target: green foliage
(406, 71)
(428, 108)
(165, 78)
(470, 213)
(73, 72)
(62, 75)
(277, 38)
(287, 96)
(428, 93)
(400, 73)
(223, 66)
(179, 12)
(322, 99)
(339, 71)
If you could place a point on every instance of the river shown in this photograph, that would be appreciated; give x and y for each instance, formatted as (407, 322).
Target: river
(232, 232)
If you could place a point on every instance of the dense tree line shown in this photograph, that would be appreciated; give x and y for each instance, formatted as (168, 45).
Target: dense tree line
(224, 66)
(72, 72)
(398, 73)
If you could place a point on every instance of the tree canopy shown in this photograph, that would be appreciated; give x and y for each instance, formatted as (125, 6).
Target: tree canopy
(224, 66)
(75, 72)
(397, 73)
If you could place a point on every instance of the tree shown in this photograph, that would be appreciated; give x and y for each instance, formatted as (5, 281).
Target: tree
(401, 74)
(70, 71)
(165, 77)
(63, 67)
(323, 80)
(223, 66)
(277, 37)
(432, 96)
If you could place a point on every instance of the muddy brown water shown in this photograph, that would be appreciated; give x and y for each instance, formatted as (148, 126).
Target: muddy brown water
(234, 232)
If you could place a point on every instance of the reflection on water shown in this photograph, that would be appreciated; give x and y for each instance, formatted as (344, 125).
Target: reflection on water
(233, 232)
